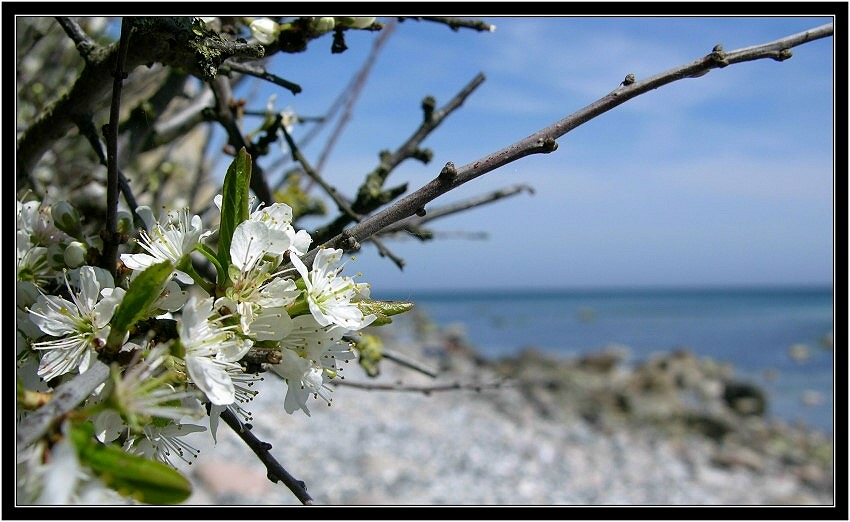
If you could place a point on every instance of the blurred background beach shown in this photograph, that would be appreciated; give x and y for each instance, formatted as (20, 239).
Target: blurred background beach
(778, 337)
(638, 397)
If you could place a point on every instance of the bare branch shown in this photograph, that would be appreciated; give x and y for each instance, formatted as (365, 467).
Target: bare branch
(456, 23)
(415, 221)
(66, 397)
(275, 472)
(356, 86)
(383, 251)
(85, 44)
(404, 360)
(184, 120)
(87, 129)
(110, 242)
(369, 195)
(543, 141)
(259, 71)
(420, 389)
(171, 41)
(224, 114)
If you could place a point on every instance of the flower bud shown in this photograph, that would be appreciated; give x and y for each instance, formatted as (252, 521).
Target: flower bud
(75, 254)
(265, 30)
(66, 218)
(322, 24)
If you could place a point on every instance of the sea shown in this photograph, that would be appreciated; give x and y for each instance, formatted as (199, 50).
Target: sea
(778, 338)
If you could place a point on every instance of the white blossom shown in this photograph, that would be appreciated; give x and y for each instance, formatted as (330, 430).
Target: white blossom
(170, 241)
(211, 350)
(329, 295)
(77, 325)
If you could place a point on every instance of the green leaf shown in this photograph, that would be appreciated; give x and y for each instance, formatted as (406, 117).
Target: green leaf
(143, 292)
(383, 309)
(146, 480)
(234, 204)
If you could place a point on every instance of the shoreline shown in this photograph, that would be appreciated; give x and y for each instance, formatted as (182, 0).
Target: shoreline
(532, 440)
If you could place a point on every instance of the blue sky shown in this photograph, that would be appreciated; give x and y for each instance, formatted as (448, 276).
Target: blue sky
(721, 180)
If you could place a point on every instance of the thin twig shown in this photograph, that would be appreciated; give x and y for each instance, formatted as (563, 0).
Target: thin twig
(87, 129)
(384, 251)
(366, 202)
(357, 85)
(110, 242)
(420, 389)
(84, 43)
(223, 113)
(543, 141)
(415, 221)
(66, 397)
(259, 71)
(456, 23)
(404, 360)
(341, 204)
(275, 471)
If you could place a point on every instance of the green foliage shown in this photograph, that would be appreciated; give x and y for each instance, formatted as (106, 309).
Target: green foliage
(383, 309)
(145, 480)
(142, 293)
(234, 206)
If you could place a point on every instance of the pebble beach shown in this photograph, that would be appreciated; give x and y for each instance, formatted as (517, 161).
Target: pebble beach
(529, 432)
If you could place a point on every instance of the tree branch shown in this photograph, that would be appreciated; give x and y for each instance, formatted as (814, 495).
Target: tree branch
(258, 71)
(419, 389)
(275, 472)
(543, 141)
(66, 397)
(110, 242)
(224, 115)
(456, 23)
(416, 221)
(172, 41)
(404, 360)
(87, 129)
(370, 195)
(356, 86)
(84, 43)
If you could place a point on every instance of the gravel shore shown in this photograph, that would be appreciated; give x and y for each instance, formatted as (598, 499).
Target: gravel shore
(497, 446)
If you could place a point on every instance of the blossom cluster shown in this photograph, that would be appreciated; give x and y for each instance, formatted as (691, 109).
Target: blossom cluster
(265, 299)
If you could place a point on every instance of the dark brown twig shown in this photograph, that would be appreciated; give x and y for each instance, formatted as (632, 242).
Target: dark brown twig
(456, 23)
(419, 389)
(84, 43)
(275, 471)
(367, 200)
(87, 129)
(416, 221)
(110, 242)
(259, 71)
(224, 115)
